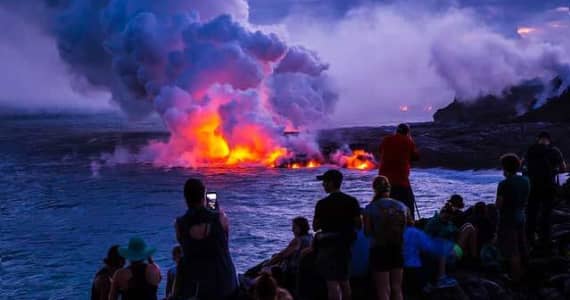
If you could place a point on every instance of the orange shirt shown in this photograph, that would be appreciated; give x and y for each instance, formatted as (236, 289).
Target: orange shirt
(396, 153)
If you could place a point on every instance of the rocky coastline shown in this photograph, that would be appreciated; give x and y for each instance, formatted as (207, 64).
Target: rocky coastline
(459, 146)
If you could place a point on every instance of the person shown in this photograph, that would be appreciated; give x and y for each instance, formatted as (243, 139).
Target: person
(302, 240)
(102, 281)
(467, 232)
(417, 244)
(481, 220)
(384, 223)
(266, 288)
(444, 225)
(138, 281)
(397, 151)
(171, 275)
(542, 163)
(337, 217)
(206, 270)
(512, 197)
(288, 259)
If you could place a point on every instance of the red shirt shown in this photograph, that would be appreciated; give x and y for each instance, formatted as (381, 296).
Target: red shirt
(396, 153)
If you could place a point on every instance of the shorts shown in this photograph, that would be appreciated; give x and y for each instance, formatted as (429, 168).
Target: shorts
(512, 242)
(386, 258)
(333, 263)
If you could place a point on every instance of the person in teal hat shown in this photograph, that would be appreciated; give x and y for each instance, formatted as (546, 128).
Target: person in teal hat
(140, 279)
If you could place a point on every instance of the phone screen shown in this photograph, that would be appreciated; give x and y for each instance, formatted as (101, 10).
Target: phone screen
(212, 200)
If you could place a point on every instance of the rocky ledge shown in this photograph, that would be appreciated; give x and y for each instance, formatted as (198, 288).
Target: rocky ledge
(458, 146)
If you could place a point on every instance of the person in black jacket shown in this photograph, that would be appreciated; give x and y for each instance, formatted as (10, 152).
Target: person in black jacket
(543, 162)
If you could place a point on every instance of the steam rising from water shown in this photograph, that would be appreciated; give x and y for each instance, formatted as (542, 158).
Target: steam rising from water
(226, 93)
(389, 56)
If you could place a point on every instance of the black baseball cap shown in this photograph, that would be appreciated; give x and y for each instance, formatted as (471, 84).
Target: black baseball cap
(544, 135)
(331, 175)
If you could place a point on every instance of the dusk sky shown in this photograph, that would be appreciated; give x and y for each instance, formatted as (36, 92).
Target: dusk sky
(404, 58)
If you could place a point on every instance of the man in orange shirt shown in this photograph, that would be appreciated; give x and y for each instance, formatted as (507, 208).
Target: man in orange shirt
(397, 151)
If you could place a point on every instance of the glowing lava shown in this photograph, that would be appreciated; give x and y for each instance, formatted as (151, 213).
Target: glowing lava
(357, 159)
(526, 31)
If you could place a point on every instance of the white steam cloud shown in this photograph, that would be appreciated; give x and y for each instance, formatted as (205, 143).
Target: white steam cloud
(393, 64)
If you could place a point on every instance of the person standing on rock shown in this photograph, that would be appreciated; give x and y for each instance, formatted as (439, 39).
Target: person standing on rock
(512, 198)
(543, 162)
(397, 151)
(336, 220)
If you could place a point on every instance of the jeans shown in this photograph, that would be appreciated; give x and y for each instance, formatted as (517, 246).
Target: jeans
(538, 212)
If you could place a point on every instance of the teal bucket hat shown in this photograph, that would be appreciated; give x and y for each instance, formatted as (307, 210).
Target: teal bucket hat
(137, 250)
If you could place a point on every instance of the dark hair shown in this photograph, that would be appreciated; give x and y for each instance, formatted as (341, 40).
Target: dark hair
(457, 201)
(511, 163)
(480, 209)
(303, 224)
(177, 250)
(265, 287)
(544, 135)
(403, 129)
(194, 191)
(114, 259)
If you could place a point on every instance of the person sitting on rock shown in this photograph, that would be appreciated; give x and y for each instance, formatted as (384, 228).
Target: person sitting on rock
(288, 259)
(512, 197)
(467, 232)
(416, 275)
(481, 219)
(384, 222)
(171, 275)
(266, 288)
(102, 281)
(442, 225)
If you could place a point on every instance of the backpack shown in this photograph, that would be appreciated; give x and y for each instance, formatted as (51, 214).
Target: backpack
(391, 226)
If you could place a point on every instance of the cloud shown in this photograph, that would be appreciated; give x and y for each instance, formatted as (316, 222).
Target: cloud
(33, 76)
(387, 57)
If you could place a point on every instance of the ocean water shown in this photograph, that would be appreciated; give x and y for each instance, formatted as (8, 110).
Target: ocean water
(60, 213)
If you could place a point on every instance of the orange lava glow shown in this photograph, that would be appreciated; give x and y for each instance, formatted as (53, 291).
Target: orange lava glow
(404, 108)
(360, 160)
(247, 144)
(525, 31)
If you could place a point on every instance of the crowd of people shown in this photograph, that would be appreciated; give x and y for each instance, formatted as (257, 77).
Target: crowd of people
(381, 249)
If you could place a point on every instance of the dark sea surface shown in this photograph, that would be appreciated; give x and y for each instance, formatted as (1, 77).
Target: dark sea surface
(60, 211)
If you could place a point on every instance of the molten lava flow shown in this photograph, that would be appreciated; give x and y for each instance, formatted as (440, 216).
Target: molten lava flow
(245, 144)
(360, 160)
(357, 159)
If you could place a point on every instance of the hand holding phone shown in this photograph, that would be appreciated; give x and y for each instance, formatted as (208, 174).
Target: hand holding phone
(212, 200)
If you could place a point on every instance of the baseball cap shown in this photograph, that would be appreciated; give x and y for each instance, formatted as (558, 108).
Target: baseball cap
(331, 175)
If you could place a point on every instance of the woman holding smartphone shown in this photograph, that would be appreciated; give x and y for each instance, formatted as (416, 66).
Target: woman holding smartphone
(206, 270)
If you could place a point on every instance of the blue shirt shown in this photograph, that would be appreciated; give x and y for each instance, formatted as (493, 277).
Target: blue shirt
(360, 254)
(416, 242)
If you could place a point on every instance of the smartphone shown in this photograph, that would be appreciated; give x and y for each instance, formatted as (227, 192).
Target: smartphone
(212, 200)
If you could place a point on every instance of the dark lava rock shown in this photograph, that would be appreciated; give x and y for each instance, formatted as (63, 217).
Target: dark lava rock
(452, 293)
(453, 146)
